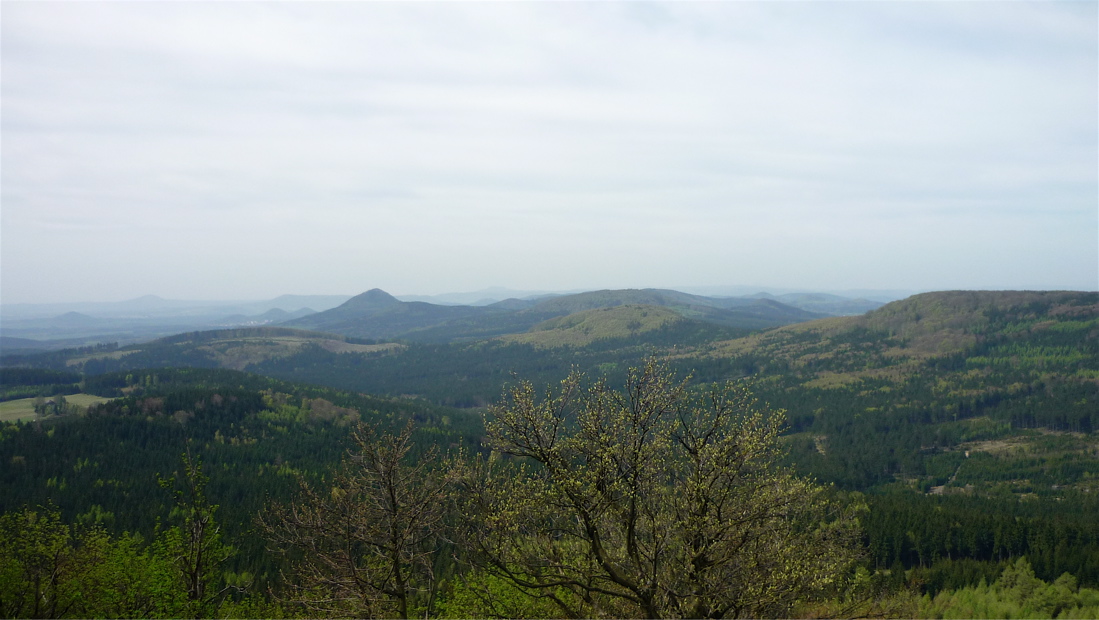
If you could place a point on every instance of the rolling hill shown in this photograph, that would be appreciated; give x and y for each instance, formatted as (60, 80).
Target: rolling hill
(903, 336)
(376, 314)
(879, 397)
(825, 303)
(588, 326)
(896, 396)
(966, 421)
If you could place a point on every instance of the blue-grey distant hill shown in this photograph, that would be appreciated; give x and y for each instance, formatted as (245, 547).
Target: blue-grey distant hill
(483, 297)
(378, 315)
(146, 318)
(272, 316)
(152, 307)
(824, 302)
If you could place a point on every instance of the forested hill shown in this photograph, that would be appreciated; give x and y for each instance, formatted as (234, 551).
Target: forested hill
(378, 315)
(255, 434)
(871, 400)
(966, 421)
(875, 399)
(974, 350)
(1057, 331)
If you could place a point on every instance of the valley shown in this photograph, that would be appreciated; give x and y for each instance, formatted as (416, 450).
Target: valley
(966, 422)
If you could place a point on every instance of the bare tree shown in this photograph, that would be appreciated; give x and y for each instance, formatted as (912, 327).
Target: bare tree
(366, 545)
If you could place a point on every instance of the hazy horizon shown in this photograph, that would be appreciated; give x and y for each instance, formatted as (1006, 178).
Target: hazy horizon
(710, 291)
(216, 151)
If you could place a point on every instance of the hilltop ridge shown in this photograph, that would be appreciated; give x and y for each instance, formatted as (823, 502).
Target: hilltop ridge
(870, 398)
(376, 314)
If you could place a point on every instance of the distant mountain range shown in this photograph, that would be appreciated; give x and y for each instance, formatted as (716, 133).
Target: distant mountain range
(825, 303)
(272, 316)
(43, 327)
(378, 315)
(483, 297)
(966, 421)
(460, 354)
(153, 307)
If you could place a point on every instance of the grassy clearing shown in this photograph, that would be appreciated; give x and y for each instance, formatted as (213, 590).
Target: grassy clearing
(85, 400)
(114, 355)
(1034, 461)
(1039, 442)
(12, 410)
(335, 346)
(23, 409)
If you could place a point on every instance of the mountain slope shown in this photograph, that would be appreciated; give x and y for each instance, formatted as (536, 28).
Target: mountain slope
(884, 396)
(587, 326)
(921, 327)
(376, 314)
(891, 397)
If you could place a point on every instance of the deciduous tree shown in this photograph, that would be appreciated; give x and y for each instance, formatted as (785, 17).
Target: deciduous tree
(654, 501)
(194, 545)
(367, 544)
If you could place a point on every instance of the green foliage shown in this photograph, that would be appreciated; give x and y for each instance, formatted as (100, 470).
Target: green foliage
(16, 383)
(887, 404)
(943, 535)
(1016, 594)
(25, 377)
(49, 569)
(254, 435)
(194, 544)
(480, 594)
(652, 502)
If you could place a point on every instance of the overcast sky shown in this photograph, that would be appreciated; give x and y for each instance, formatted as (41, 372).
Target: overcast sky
(244, 150)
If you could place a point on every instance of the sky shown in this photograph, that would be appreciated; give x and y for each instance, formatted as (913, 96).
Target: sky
(244, 150)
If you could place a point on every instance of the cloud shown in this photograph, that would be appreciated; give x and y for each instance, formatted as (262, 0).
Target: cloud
(432, 147)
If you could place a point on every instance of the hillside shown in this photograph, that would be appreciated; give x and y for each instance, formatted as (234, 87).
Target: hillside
(255, 436)
(879, 398)
(891, 397)
(965, 421)
(236, 349)
(825, 303)
(619, 323)
(730, 312)
(901, 337)
(588, 326)
(871, 400)
(376, 314)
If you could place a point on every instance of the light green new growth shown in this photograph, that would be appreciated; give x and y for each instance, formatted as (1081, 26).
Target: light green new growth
(652, 502)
